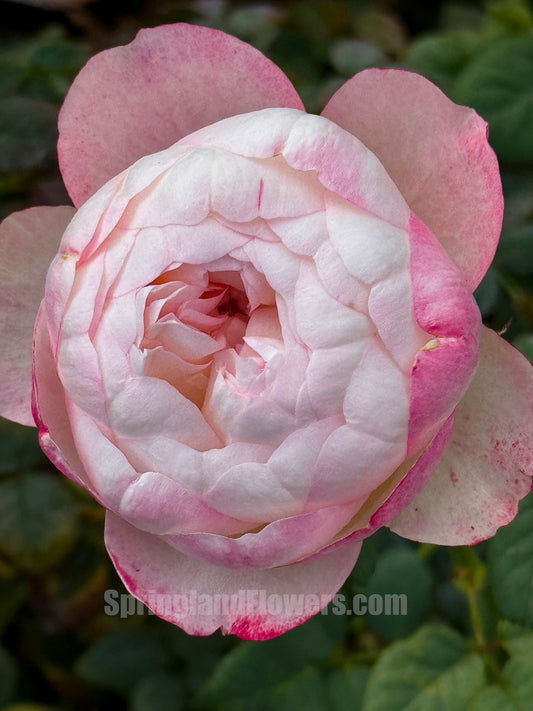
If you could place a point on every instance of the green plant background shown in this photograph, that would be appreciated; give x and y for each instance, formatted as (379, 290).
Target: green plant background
(467, 641)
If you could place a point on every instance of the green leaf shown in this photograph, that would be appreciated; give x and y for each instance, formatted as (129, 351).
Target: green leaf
(198, 655)
(430, 671)
(498, 85)
(347, 688)
(518, 194)
(440, 57)
(524, 343)
(246, 673)
(10, 76)
(161, 691)
(121, 658)
(515, 638)
(399, 572)
(514, 15)
(306, 689)
(511, 567)
(516, 678)
(19, 448)
(38, 521)
(366, 565)
(517, 674)
(510, 630)
(488, 293)
(492, 698)
(8, 677)
(28, 133)
(515, 251)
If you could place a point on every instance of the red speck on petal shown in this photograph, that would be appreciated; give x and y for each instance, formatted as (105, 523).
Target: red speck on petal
(454, 477)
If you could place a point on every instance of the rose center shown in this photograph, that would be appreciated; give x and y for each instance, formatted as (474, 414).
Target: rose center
(232, 301)
(222, 311)
(197, 322)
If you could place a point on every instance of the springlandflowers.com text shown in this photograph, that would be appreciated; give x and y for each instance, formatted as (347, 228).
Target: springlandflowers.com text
(254, 601)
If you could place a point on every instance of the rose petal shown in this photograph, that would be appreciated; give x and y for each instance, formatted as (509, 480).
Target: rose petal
(486, 469)
(171, 80)
(307, 142)
(28, 243)
(162, 505)
(444, 308)
(50, 411)
(399, 490)
(172, 584)
(437, 154)
(281, 542)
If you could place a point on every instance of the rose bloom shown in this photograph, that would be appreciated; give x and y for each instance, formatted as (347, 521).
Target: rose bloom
(254, 339)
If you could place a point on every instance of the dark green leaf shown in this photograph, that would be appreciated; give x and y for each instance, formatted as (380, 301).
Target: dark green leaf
(511, 566)
(524, 343)
(306, 690)
(28, 133)
(517, 674)
(515, 251)
(347, 687)
(488, 293)
(247, 672)
(38, 521)
(401, 576)
(19, 447)
(159, 692)
(430, 671)
(498, 85)
(121, 658)
(492, 698)
(441, 57)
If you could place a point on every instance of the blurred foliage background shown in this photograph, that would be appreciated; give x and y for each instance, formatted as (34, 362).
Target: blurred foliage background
(466, 643)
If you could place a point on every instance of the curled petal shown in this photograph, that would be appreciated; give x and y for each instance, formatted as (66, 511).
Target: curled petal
(488, 465)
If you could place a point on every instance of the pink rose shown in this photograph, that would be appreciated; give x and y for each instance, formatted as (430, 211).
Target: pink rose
(258, 344)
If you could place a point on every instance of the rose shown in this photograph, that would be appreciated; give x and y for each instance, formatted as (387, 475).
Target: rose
(259, 344)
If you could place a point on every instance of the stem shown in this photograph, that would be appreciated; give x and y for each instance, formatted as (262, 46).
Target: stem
(476, 619)
(470, 577)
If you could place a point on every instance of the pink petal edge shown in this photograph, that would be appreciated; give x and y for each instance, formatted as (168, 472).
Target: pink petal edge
(445, 308)
(488, 465)
(49, 409)
(182, 589)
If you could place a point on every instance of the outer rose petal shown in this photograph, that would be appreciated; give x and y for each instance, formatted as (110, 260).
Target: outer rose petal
(28, 243)
(437, 154)
(487, 466)
(49, 409)
(131, 101)
(149, 567)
